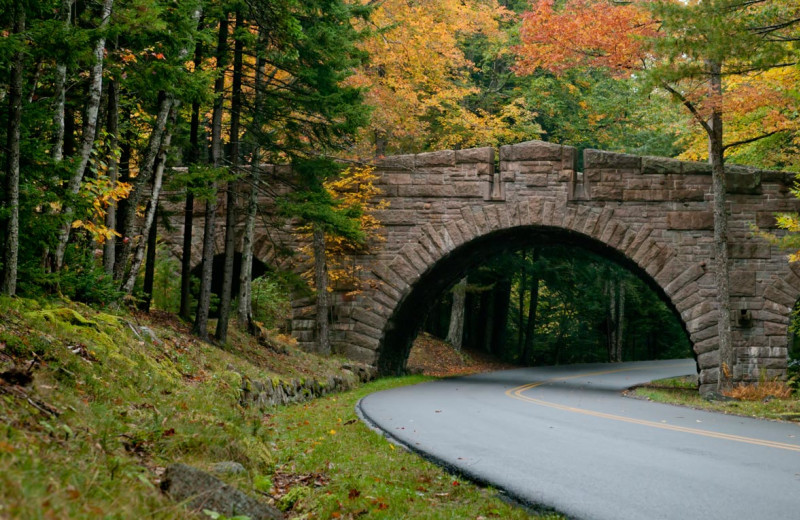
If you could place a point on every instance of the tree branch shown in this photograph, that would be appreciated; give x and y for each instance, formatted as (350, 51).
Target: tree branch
(689, 105)
(751, 140)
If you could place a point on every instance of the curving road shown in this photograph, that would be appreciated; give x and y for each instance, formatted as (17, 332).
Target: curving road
(564, 438)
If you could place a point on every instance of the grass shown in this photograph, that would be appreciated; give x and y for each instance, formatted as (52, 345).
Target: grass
(683, 391)
(367, 476)
(110, 408)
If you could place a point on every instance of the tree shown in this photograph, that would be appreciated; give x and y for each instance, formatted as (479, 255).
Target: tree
(12, 166)
(688, 49)
(455, 333)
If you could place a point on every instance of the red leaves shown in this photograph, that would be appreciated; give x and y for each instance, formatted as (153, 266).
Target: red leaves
(584, 32)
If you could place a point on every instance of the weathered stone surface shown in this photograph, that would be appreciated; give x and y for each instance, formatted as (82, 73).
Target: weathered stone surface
(695, 168)
(531, 151)
(660, 165)
(200, 491)
(443, 158)
(475, 155)
(593, 159)
(739, 179)
(743, 283)
(690, 220)
(749, 249)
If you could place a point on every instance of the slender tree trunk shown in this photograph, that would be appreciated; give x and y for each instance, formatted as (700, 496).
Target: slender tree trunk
(13, 136)
(188, 215)
(89, 131)
(144, 177)
(716, 152)
(61, 90)
(455, 333)
(246, 320)
(150, 264)
(112, 126)
(231, 207)
(150, 214)
(487, 310)
(521, 317)
(321, 283)
(204, 301)
(620, 321)
(502, 306)
(533, 309)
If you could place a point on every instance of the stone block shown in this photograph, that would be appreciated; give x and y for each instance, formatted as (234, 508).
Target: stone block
(690, 220)
(742, 283)
(695, 168)
(773, 294)
(394, 178)
(569, 158)
(749, 248)
(606, 191)
(686, 195)
(660, 165)
(405, 162)
(742, 180)
(442, 158)
(766, 220)
(532, 151)
(594, 159)
(475, 155)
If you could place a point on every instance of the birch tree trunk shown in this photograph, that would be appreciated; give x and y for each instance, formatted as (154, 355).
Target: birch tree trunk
(112, 126)
(150, 214)
(620, 322)
(455, 333)
(13, 136)
(533, 309)
(61, 91)
(321, 284)
(89, 131)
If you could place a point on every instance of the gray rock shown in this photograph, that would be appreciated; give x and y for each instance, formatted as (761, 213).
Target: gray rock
(201, 490)
(227, 467)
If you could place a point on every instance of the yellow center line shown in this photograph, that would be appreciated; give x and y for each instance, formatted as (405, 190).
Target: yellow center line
(517, 393)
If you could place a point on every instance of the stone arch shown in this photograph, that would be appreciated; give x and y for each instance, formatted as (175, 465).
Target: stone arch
(381, 324)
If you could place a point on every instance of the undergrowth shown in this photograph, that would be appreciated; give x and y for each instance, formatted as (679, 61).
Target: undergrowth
(115, 398)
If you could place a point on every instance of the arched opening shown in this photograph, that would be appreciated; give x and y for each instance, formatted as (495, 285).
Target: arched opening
(409, 315)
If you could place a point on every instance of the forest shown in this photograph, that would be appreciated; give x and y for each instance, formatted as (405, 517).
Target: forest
(107, 104)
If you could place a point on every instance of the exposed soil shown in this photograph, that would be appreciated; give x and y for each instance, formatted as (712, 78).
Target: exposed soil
(434, 357)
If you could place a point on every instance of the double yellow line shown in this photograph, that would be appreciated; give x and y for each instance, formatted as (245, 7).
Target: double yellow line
(517, 393)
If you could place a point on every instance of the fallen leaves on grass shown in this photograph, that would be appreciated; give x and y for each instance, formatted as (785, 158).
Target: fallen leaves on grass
(434, 357)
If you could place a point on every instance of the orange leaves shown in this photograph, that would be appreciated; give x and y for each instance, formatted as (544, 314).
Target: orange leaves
(583, 33)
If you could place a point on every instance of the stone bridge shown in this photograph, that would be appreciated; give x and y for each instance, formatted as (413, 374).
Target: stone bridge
(450, 210)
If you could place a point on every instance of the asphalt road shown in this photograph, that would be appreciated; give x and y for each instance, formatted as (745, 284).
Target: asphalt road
(564, 438)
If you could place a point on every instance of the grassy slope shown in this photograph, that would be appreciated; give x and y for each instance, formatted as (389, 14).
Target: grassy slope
(127, 406)
(683, 391)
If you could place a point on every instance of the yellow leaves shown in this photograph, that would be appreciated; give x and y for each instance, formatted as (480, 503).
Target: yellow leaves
(353, 188)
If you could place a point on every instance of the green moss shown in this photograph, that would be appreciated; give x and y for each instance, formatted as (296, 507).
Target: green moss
(62, 315)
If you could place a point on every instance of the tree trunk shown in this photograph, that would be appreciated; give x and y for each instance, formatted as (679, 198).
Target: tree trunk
(620, 321)
(502, 305)
(61, 91)
(487, 312)
(521, 316)
(150, 265)
(13, 136)
(140, 183)
(246, 271)
(150, 215)
(188, 215)
(230, 210)
(716, 152)
(89, 131)
(321, 283)
(204, 302)
(533, 309)
(112, 126)
(455, 333)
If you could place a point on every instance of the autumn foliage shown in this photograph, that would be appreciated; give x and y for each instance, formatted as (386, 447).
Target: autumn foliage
(596, 33)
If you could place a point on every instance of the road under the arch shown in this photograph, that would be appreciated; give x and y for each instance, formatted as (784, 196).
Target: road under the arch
(565, 438)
